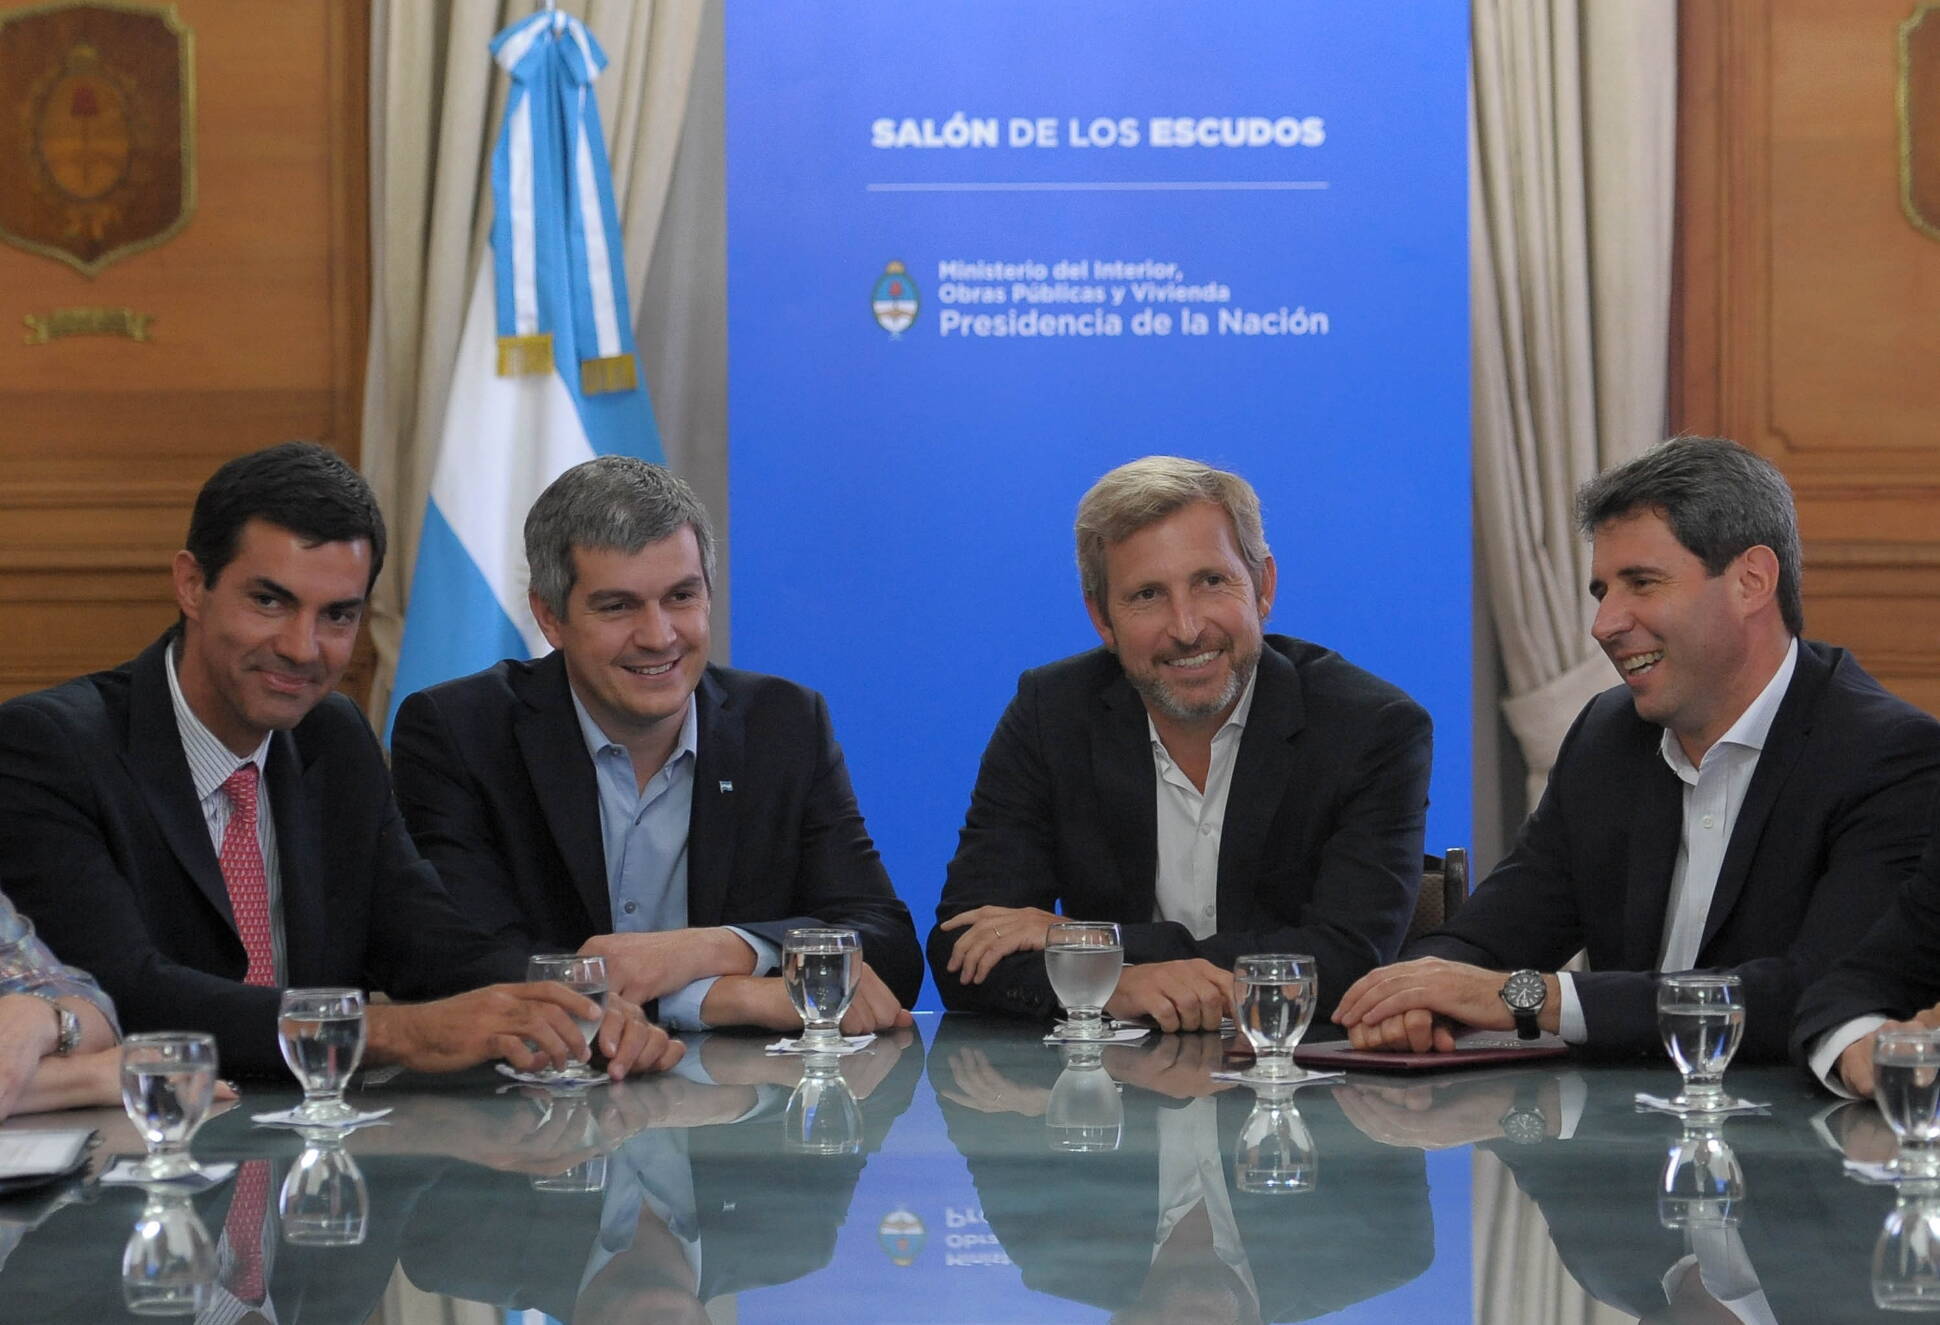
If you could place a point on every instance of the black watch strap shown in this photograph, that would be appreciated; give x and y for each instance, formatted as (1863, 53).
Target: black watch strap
(1524, 993)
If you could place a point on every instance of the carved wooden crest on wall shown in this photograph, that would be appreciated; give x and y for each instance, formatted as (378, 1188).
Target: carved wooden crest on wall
(1919, 111)
(97, 130)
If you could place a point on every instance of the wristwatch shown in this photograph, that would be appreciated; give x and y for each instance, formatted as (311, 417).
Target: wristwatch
(1524, 1123)
(69, 1033)
(1525, 993)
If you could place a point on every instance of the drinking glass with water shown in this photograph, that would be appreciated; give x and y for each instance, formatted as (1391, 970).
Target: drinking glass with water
(324, 1202)
(1703, 1184)
(321, 1033)
(1906, 1083)
(585, 976)
(168, 1267)
(822, 1116)
(819, 969)
(1275, 995)
(571, 1119)
(168, 1081)
(1702, 1019)
(1275, 1153)
(1906, 1259)
(1085, 1112)
(1083, 959)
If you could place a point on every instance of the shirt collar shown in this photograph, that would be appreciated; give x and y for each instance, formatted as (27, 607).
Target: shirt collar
(1235, 721)
(1753, 725)
(210, 761)
(597, 740)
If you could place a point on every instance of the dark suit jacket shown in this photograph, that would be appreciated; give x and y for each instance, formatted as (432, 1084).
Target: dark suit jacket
(496, 784)
(109, 855)
(1808, 1229)
(1894, 971)
(762, 1216)
(1081, 1226)
(1320, 851)
(1833, 819)
(63, 1272)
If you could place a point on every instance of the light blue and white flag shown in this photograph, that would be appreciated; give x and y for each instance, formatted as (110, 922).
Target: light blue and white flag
(546, 376)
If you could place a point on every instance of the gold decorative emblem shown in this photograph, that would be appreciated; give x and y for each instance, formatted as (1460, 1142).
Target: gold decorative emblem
(97, 130)
(1919, 111)
(45, 327)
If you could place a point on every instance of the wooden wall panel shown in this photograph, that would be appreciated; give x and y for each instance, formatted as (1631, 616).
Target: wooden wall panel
(259, 309)
(1807, 317)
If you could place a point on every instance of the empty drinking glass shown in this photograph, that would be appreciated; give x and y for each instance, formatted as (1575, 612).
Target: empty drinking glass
(822, 1117)
(583, 975)
(1274, 995)
(1702, 1018)
(1083, 959)
(321, 1032)
(1276, 1152)
(1085, 1112)
(324, 1202)
(168, 1267)
(168, 1080)
(1906, 1083)
(819, 969)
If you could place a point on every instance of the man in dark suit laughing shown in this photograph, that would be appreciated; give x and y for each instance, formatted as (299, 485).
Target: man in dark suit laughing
(1744, 801)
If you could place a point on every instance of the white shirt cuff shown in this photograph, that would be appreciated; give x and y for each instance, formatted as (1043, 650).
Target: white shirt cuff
(1824, 1058)
(1570, 1011)
(1572, 1096)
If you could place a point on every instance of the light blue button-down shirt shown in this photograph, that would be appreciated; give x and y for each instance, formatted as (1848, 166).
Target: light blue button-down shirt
(644, 832)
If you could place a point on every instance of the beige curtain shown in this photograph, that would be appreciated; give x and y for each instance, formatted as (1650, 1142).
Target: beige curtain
(436, 100)
(1571, 172)
(1518, 1276)
(404, 1303)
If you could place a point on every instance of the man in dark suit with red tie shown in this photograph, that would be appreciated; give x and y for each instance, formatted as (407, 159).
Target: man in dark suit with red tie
(210, 823)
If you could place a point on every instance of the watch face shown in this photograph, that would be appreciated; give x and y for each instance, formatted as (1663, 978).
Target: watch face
(1525, 1127)
(1524, 991)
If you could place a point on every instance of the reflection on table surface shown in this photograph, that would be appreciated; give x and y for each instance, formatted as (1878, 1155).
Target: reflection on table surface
(994, 1177)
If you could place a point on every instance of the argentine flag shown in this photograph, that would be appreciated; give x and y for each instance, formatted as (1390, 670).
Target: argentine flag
(547, 375)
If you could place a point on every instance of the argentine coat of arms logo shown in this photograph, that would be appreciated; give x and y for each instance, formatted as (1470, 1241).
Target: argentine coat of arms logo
(895, 301)
(97, 130)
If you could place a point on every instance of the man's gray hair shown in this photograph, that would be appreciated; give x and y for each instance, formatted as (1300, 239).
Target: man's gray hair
(613, 503)
(1146, 491)
(1718, 499)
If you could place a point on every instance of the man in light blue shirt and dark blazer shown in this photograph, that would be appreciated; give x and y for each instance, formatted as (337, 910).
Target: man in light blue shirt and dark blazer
(622, 797)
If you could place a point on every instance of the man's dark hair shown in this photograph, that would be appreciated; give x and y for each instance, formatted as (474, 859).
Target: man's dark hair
(298, 486)
(612, 502)
(1718, 499)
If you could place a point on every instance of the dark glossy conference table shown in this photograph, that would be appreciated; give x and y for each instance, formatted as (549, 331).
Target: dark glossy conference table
(1522, 1194)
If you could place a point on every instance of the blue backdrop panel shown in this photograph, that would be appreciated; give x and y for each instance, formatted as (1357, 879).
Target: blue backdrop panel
(1283, 190)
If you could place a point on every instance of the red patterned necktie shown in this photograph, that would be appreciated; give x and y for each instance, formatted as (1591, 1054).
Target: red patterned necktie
(242, 872)
(244, 1229)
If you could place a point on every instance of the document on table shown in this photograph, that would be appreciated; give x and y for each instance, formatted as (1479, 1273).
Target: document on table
(27, 1156)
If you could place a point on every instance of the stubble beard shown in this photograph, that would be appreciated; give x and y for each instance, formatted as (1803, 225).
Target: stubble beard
(1152, 688)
